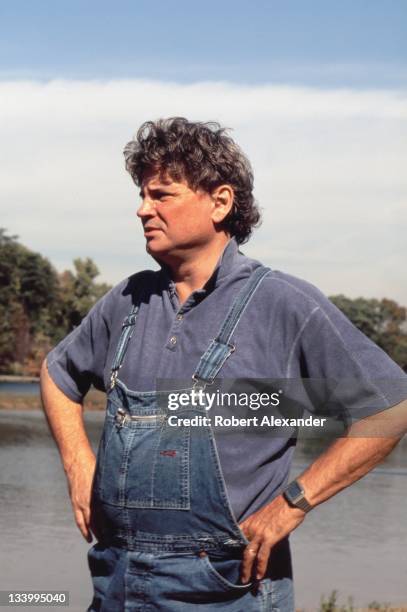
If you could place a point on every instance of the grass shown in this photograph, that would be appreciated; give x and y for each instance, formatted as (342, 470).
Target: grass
(331, 604)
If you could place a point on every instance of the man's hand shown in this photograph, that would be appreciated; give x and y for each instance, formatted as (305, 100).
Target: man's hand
(264, 529)
(80, 477)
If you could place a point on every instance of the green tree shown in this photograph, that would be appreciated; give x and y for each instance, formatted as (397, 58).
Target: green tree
(38, 306)
(78, 293)
(383, 321)
(28, 296)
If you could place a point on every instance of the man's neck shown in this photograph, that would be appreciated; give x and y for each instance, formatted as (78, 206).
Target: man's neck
(193, 271)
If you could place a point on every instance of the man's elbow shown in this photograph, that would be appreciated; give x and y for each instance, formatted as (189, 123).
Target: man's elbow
(389, 423)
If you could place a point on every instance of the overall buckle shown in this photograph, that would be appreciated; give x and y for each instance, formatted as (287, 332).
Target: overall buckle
(199, 383)
(113, 378)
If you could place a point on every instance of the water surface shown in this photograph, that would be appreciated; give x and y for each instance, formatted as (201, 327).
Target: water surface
(356, 542)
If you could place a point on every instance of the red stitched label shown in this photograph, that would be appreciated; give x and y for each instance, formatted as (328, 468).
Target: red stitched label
(168, 453)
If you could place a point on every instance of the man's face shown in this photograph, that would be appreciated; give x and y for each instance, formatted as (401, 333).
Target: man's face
(175, 218)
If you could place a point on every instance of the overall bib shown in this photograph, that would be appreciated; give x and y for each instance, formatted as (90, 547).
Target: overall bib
(168, 539)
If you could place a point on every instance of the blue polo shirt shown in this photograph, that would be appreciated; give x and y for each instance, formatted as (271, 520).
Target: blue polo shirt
(289, 330)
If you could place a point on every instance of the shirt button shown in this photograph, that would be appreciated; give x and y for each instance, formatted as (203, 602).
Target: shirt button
(180, 317)
(173, 340)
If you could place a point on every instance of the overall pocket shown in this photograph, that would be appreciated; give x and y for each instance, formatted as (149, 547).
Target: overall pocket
(144, 463)
(226, 572)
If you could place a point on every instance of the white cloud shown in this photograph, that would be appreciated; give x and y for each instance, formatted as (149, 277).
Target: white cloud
(328, 167)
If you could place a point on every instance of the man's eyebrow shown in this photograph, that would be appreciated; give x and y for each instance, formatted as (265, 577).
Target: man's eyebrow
(159, 189)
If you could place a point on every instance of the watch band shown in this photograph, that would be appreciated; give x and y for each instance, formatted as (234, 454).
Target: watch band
(303, 505)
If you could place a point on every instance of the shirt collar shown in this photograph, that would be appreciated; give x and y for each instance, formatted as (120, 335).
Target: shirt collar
(226, 263)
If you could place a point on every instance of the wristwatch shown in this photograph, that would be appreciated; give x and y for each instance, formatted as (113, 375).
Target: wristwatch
(294, 494)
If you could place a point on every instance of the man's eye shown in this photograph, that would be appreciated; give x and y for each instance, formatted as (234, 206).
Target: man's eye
(162, 195)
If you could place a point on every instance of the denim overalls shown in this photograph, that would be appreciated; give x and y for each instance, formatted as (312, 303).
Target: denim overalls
(168, 539)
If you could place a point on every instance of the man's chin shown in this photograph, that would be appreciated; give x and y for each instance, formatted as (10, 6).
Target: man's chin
(153, 248)
(156, 250)
(157, 254)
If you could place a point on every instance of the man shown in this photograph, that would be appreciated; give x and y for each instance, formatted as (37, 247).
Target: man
(186, 517)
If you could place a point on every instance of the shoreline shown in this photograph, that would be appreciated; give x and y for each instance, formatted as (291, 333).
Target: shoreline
(18, 379)
(94, 401)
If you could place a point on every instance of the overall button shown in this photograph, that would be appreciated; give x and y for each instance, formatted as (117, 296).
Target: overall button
(173, 340)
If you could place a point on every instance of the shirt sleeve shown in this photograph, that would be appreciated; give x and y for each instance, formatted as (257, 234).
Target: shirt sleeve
(349, 376)
(78, 361)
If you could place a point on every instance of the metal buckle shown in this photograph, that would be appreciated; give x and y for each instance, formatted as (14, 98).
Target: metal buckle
(113, 378)
(201, 383)
(120, 417)
(129, 320)
(198, 382)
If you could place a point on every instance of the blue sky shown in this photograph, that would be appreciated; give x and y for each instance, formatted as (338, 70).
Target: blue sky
(315, 91)
(358, 43)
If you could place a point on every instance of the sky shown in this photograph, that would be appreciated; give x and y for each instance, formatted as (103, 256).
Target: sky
(315, 94)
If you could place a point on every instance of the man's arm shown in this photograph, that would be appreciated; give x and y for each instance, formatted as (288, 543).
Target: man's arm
(65, 419)
(344, 462)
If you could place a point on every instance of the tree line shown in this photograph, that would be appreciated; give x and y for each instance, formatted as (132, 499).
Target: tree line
(39, 307)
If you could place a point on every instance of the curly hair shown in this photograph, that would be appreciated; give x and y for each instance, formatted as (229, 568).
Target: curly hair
(205, 157)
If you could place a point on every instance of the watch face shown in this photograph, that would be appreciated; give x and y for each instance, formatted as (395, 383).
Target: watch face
(294, 494)
(294, 490)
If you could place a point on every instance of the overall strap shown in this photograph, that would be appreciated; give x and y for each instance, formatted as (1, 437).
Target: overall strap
(126, 333)
(220, 348)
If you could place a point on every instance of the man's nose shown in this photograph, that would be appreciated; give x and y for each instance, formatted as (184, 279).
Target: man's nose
(146, 208)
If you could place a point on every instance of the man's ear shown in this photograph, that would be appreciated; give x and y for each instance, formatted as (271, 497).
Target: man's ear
(222, 197)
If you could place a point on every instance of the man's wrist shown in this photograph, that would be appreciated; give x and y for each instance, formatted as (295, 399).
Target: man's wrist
(83, 455)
